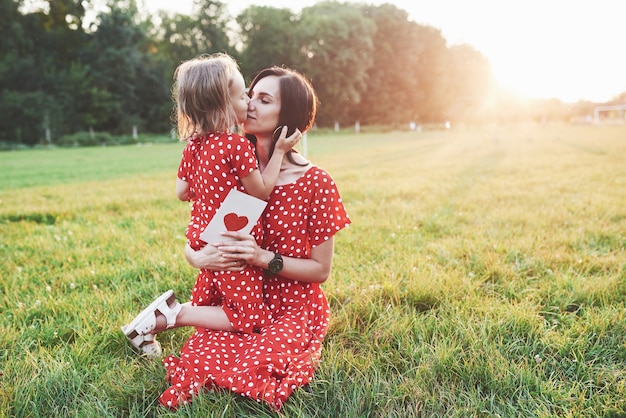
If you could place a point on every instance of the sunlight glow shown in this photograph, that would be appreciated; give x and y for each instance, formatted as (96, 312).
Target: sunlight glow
(563, 49)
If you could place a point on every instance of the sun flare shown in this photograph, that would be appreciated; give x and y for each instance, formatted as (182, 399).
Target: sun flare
(546, 49)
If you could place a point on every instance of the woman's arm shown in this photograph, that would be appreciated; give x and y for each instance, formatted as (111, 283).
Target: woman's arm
(311, 270)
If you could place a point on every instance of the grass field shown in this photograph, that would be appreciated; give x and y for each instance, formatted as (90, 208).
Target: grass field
(484, 275)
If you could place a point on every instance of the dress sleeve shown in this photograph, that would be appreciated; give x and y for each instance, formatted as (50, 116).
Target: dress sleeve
(243, 158)
(186, 162)
(328, 214)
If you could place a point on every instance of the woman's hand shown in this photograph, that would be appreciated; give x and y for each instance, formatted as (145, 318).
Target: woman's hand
(315, 269)
(244, 248)
(209, 257)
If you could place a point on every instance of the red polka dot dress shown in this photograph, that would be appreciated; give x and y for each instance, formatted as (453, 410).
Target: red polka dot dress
(212, 165)
(268, 366)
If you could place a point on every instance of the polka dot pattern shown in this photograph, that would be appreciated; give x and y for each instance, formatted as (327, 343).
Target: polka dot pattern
(268, 366)
(213, 165)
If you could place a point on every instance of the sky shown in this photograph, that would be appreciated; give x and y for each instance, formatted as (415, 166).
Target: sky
(566, 49)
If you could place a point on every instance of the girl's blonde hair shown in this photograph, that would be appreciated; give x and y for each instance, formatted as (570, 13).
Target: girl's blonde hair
(202, 97)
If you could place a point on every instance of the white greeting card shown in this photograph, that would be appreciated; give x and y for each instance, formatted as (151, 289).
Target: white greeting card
(238, 212)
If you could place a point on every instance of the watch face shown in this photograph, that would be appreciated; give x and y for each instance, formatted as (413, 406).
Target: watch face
(276, 265)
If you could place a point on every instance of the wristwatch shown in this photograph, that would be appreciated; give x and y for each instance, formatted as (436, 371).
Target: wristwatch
(276, 265)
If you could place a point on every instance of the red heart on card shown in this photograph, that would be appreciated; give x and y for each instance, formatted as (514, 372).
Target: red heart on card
(235, 222)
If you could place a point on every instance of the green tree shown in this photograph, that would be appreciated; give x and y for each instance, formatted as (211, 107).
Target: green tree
(336, 49)
(392, 84)
(179, 37)
(23, 116)
(176, 38)
(37, 58)
(63, 74)
(130, 81)
(267, 36)
(12, 35)
(367, 63)
(14, 49)
(115, 58)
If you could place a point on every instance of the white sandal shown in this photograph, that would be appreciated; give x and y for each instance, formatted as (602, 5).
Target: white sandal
(145, 322)
(144, 344)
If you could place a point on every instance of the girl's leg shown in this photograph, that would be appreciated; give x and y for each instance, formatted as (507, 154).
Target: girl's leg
(209, 317)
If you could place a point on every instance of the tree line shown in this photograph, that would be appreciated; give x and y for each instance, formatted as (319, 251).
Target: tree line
(61, 74)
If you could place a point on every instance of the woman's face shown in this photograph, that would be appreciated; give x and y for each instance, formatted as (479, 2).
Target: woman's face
(264, 108)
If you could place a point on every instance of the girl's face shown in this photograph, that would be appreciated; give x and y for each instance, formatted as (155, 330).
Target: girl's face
(239, 98)
(264, 108)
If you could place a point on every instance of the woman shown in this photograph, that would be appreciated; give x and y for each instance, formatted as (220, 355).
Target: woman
(304, 212)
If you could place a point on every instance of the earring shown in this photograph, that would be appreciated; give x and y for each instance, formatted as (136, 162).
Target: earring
(277, 132)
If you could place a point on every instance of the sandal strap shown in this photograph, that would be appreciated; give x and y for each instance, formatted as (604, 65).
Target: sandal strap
(170, 312)
(145, 322)
(145, 344)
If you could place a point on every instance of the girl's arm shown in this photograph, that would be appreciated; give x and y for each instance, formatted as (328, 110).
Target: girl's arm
(260, 185)
(182, 190)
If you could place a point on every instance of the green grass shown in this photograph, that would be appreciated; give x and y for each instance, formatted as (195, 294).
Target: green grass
(43, 167)
(484, 275)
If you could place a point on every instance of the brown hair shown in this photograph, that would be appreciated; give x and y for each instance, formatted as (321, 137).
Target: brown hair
(297, 97)
(200, 91)
(298, 101)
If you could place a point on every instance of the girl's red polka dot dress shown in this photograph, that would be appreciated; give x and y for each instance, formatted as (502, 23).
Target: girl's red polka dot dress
(213, 165)
(268, 366)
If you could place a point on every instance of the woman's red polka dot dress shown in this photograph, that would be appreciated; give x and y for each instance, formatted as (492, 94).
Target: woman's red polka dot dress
(213, 165)
(268, 366)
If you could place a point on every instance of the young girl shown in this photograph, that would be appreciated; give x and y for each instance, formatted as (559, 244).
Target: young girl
(210, 97)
